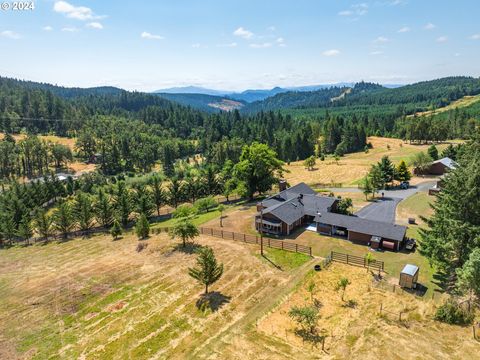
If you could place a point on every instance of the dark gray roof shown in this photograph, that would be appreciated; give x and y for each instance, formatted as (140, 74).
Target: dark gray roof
(288, 194)
(296, 202)
(364, 226)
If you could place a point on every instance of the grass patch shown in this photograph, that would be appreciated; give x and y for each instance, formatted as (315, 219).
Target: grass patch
(198, 220)
(284, 260)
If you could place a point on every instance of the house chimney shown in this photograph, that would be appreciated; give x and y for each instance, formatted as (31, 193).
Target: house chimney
(282, 185)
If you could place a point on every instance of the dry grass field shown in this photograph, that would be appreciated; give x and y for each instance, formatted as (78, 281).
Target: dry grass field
(460, 103)
(355, 329)
(100, 299)
(352, 168)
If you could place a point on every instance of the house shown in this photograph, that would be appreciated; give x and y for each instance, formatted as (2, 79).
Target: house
(441, 166)
(300, 205)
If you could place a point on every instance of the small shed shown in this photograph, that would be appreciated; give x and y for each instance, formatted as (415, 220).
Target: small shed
(409, 276)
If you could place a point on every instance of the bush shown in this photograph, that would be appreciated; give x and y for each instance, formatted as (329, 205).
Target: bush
(452, 313)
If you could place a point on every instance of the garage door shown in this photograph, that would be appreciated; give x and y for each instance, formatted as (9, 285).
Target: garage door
(388, 245)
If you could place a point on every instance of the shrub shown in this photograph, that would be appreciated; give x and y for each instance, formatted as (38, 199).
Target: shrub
(452, 313)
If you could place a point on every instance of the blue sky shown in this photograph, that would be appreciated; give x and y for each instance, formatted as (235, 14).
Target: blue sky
(239, 44)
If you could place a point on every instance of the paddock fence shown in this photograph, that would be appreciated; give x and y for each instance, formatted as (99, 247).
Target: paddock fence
(357, 261)
(249, 239)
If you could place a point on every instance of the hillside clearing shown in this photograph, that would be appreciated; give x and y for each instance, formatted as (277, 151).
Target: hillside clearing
(460, 103)
(360, 332)
(98, 298)
(352, 168)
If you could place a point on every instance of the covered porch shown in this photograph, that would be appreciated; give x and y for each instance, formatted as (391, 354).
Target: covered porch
(269, 226)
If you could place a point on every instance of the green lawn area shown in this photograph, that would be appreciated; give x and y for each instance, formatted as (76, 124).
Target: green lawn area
(284, 260)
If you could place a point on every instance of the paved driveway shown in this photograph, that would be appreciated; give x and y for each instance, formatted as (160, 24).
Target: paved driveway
(383, 209)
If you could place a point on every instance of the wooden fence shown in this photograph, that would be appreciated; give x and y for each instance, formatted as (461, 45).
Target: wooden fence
(356, 260)
(249, 239)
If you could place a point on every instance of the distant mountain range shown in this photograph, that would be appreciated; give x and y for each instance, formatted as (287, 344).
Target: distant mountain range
(252, 95)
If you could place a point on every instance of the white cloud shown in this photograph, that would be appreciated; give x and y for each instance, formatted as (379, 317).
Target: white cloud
(398, 2)
(429, 26)
(94, 25)
(47, 28)
(196, 46)
(147, 35)
(442, 39)
(356, 9)
(281, 42)
(69, 29)
(260, 46)
(10, 34)
(271, 28)
(232, 44)
(404, 29)
(74, 12)
(456, 54)
(376, 52)
(475, 37)
(244, 33)
(331, 52)
(381, 39)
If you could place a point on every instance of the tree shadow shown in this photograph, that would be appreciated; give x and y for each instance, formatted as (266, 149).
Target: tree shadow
(352, 304)
(313, 338)
(212, 301)
(189, 248)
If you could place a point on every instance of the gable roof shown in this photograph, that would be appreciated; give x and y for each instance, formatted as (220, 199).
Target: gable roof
(446, 161)
(364, 226)
(294, 203)
(288, 194)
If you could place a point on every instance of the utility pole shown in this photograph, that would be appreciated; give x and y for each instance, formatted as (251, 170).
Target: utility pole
(261, 228)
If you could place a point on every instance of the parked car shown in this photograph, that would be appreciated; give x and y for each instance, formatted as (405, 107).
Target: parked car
(411, 243)
(404, 185)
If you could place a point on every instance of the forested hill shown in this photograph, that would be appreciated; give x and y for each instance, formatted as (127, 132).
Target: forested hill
(64, 92)
(41, 108)
(422, 95)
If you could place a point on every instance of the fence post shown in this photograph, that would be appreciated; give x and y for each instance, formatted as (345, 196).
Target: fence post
(474, 334)
(347, 259)
(400, 316)
(381, 308)
(310, 251)
(244, 238)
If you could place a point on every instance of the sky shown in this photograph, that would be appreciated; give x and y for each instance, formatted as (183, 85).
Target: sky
(238, 44)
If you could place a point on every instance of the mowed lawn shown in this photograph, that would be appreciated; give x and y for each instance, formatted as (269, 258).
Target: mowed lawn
(101, 299)
(352, 168)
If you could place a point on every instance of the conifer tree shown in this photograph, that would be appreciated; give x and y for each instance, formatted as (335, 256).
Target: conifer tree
(142, 227)
(116, 230)
(208, 270)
